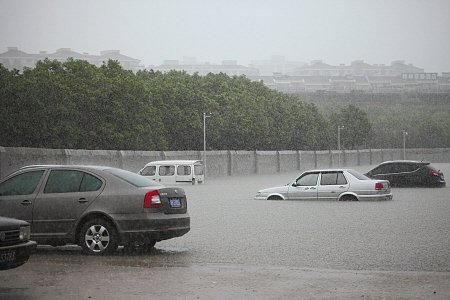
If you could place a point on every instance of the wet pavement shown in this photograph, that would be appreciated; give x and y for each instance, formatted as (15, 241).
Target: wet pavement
(243, 248)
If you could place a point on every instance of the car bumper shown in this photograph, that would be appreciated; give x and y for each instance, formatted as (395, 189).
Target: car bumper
(440, 183)
(381, 197)
(145, 228)
(16, 255)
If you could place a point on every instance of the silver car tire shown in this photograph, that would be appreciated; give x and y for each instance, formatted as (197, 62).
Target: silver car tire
(348, 198)
(98, 237)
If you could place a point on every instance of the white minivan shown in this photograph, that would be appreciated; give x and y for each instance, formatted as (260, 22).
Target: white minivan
(174, 171)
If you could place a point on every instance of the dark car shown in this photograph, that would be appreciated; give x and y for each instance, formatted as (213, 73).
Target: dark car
(98, 208)
(408, 173)
(15, 244)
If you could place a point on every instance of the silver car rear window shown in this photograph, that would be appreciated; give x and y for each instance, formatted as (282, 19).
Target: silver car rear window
(132, 178)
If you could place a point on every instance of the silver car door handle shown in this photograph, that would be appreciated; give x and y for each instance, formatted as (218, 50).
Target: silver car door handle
(26, 202)
(82, 200)
(342, 187)
(313, 188)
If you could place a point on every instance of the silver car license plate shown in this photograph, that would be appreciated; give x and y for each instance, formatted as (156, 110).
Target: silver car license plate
(175, 202)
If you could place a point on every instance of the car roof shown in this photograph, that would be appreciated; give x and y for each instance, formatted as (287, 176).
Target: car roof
(406, 161)
(174, 162)
(327, 170)
(92, 167)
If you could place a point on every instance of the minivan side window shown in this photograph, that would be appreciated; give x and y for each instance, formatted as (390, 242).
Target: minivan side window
(149, 171)
(63, 181)
(166, 170)
(183, 170)
(22, 184)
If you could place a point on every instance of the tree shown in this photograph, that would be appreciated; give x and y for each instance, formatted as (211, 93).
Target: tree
(357, 129)
(75, 104)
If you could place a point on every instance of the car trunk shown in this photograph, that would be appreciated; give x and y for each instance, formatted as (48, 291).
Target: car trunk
(173, 200)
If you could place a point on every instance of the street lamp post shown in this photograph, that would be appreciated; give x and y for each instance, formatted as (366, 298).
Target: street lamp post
(404, 143)
(339, 144)
(205, 115)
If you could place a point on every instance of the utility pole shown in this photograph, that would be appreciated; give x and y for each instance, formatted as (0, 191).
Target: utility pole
(404, 144)
(339, 144)
(205, 115)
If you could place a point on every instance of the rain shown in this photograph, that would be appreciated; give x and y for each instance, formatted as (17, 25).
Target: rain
(260, 92)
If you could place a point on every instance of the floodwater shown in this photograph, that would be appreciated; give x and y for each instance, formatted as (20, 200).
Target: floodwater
(249, 249)
(409, 233)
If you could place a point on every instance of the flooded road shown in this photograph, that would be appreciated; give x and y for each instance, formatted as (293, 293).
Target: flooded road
(410, 233)
(265, 250)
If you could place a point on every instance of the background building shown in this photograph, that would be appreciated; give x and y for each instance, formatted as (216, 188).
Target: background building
(277, 72)
(14, 58)
(190, 65)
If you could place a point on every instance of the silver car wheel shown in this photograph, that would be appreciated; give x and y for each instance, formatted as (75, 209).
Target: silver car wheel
(97, 238)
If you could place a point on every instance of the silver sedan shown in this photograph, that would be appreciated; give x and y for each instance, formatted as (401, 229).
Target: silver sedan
(330, 184)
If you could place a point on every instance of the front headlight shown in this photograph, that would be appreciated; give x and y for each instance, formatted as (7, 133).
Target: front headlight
(24, 234)
(261, 194)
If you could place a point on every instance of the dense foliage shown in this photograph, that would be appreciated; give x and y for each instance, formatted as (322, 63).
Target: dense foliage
(77, 105)
(424, 116)
(80, 106)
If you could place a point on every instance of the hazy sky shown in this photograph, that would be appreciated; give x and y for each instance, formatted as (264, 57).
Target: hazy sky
(335, 31)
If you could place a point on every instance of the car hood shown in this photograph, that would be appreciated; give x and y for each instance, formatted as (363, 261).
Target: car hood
(276, 189)
(4, 222)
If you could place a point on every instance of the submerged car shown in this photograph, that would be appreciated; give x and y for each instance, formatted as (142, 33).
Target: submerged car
(330, 184)
(15, 244)
(408, 173)
(98, 208)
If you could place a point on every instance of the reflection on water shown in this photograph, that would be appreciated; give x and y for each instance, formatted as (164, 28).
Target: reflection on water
(72, 254)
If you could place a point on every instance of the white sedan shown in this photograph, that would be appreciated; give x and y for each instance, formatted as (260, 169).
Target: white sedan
(330, 184)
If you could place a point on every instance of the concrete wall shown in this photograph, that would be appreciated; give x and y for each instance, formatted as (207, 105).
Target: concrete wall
(267, 162)
(289, 161)
(308, 160)
(219, 163)
(135, 160)
(243, 162)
